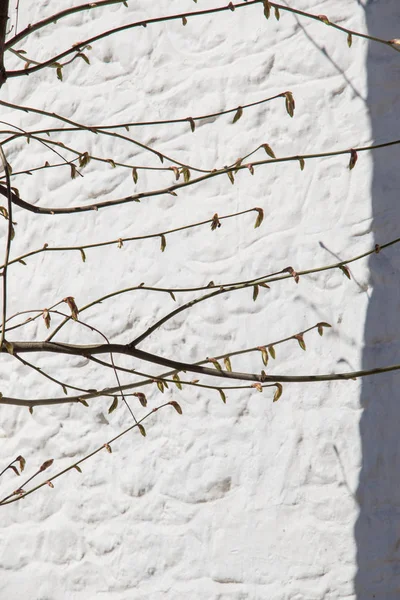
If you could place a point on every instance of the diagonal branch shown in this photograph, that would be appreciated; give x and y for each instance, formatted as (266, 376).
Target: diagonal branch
(149, 379)
(82, 127)
(94, 349)
(100, 128)
(57, 17)
(181, 17)
(20, 493)
(172, 188)
(221, 289)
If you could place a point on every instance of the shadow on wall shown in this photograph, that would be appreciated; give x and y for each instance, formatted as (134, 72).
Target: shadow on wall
(377, 530)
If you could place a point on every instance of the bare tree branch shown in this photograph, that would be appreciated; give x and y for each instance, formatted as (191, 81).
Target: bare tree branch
(120, 241)
(3, 31)
(177, 186)
(182, 174)
(181, 16)
(94, 349)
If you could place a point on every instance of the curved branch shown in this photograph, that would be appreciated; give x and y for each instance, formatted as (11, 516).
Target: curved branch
(224, 288)
(144, 23)
(81, 127)
(149, 379)
(57, 17)
(100, 128)
(177, 186)
(120, 241)
(94, 349)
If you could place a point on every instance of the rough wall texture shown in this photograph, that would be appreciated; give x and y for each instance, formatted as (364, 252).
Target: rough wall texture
(249, 499)
(377, 529)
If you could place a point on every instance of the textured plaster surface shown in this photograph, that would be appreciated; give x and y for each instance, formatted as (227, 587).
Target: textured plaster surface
(245, 500)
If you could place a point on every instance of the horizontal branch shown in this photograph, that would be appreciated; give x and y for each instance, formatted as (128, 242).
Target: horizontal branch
(82, 127)
(102, 129)
(150, 378)
(88, 157)
(120, 241)
(286, 273)
(128, 124)
(177, 186)
(94, 349)
(183, 17)
(111, 391)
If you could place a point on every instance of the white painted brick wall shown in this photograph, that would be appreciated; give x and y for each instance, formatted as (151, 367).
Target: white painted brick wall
(251, 500)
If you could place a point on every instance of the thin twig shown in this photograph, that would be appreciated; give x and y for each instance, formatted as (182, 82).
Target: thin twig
(120, 241)
(177, 186)
(229, 287)
(17, 496)
(144, 23)
(94, 349)
(81, 127)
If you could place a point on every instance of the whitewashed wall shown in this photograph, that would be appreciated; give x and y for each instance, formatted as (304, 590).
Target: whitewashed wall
(252, 499)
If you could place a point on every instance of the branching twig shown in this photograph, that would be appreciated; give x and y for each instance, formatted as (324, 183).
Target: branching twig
(57, 17)
(127, 125)
(181, 16)
(149, 378)
(94, 349)
(20, 493)
(172, 188)
(120, 241)
(227, 287)
(81, 127)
